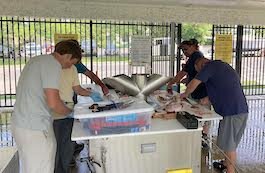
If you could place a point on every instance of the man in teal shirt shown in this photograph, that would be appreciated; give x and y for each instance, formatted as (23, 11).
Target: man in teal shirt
(81, 68)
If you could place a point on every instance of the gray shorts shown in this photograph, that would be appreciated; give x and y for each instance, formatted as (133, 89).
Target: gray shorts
(230, 131)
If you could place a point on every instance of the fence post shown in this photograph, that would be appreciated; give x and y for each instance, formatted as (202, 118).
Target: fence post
(178, 58)
(91, 47)
(172, 48)
(179, 37)
(213, 40)
(239, 38)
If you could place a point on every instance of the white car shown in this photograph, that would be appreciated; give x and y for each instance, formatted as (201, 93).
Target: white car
(31, 49)
(85, 45)
(6, 52)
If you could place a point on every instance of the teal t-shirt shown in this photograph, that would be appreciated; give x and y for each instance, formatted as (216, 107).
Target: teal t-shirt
(81, 68)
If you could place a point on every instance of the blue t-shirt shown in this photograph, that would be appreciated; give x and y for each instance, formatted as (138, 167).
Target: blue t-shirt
(200, 92)
(223, 88)
(81, 68)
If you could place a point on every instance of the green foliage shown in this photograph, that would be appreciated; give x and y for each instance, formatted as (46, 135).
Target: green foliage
(23, 61)
(258, 31)
(86, 60)
(197, 31)
(16, 31)
(5, 118)
(250, 82)
(182, 87)
(10, 62)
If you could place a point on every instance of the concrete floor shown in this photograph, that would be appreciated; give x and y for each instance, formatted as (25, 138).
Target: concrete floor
(251, 150)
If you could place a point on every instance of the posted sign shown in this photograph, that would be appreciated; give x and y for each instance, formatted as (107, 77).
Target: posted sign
(141, 50)
(224, 47)
(61, 37)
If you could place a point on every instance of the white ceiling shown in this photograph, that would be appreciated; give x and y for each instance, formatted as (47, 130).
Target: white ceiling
(186, 3)
(198, 11)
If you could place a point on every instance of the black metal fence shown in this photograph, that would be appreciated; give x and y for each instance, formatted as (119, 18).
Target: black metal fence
(6, 138)
(248, 55)
(106, 46)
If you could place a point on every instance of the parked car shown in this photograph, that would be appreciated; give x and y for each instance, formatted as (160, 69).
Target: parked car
(6, 52)
(111, 49)
(48, 48)
(161, 46)
(251, 48)
(31, 49)
(86, 47)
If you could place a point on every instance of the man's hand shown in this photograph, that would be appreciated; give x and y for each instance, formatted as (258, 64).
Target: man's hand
(71, 115)
(95, 96)
(82, 91)
(105, 90)
(184, 81)
(205, 101)
(169, 89)
(183, 95)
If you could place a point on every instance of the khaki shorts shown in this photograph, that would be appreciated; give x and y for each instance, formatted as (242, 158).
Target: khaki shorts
(230, 131)
(36, 149)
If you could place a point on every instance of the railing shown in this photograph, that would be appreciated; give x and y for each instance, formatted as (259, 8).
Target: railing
(106, 46)
(248, 55)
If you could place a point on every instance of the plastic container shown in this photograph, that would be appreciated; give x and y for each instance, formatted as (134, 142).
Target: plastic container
(128, 123)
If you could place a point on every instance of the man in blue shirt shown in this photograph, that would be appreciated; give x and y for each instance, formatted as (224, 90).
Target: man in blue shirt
(227, 97)
(81, 68)
(190, 49)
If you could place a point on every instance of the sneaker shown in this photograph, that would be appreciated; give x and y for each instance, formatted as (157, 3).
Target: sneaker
(204, 136)
(78, 148)
(72, 163)
(220, 166)
(204, 144)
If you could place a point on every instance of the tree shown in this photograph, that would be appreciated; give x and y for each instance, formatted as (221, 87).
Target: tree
(197, 31)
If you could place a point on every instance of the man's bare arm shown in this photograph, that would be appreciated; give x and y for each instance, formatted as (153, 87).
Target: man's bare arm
(81, 91)
(54, 101)
(177, 78)
(190, 87)
(94, 78)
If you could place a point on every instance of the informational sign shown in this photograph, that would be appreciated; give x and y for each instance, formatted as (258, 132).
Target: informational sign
(224, 47)
(141, 50)
(186, 170)
(61, 37)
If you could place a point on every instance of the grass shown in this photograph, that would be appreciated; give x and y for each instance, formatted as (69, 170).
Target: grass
(250, 82)
(7, 96)
(22, 61)
(253, 86)
(7, 62)
(105, 59)
(5, 118)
